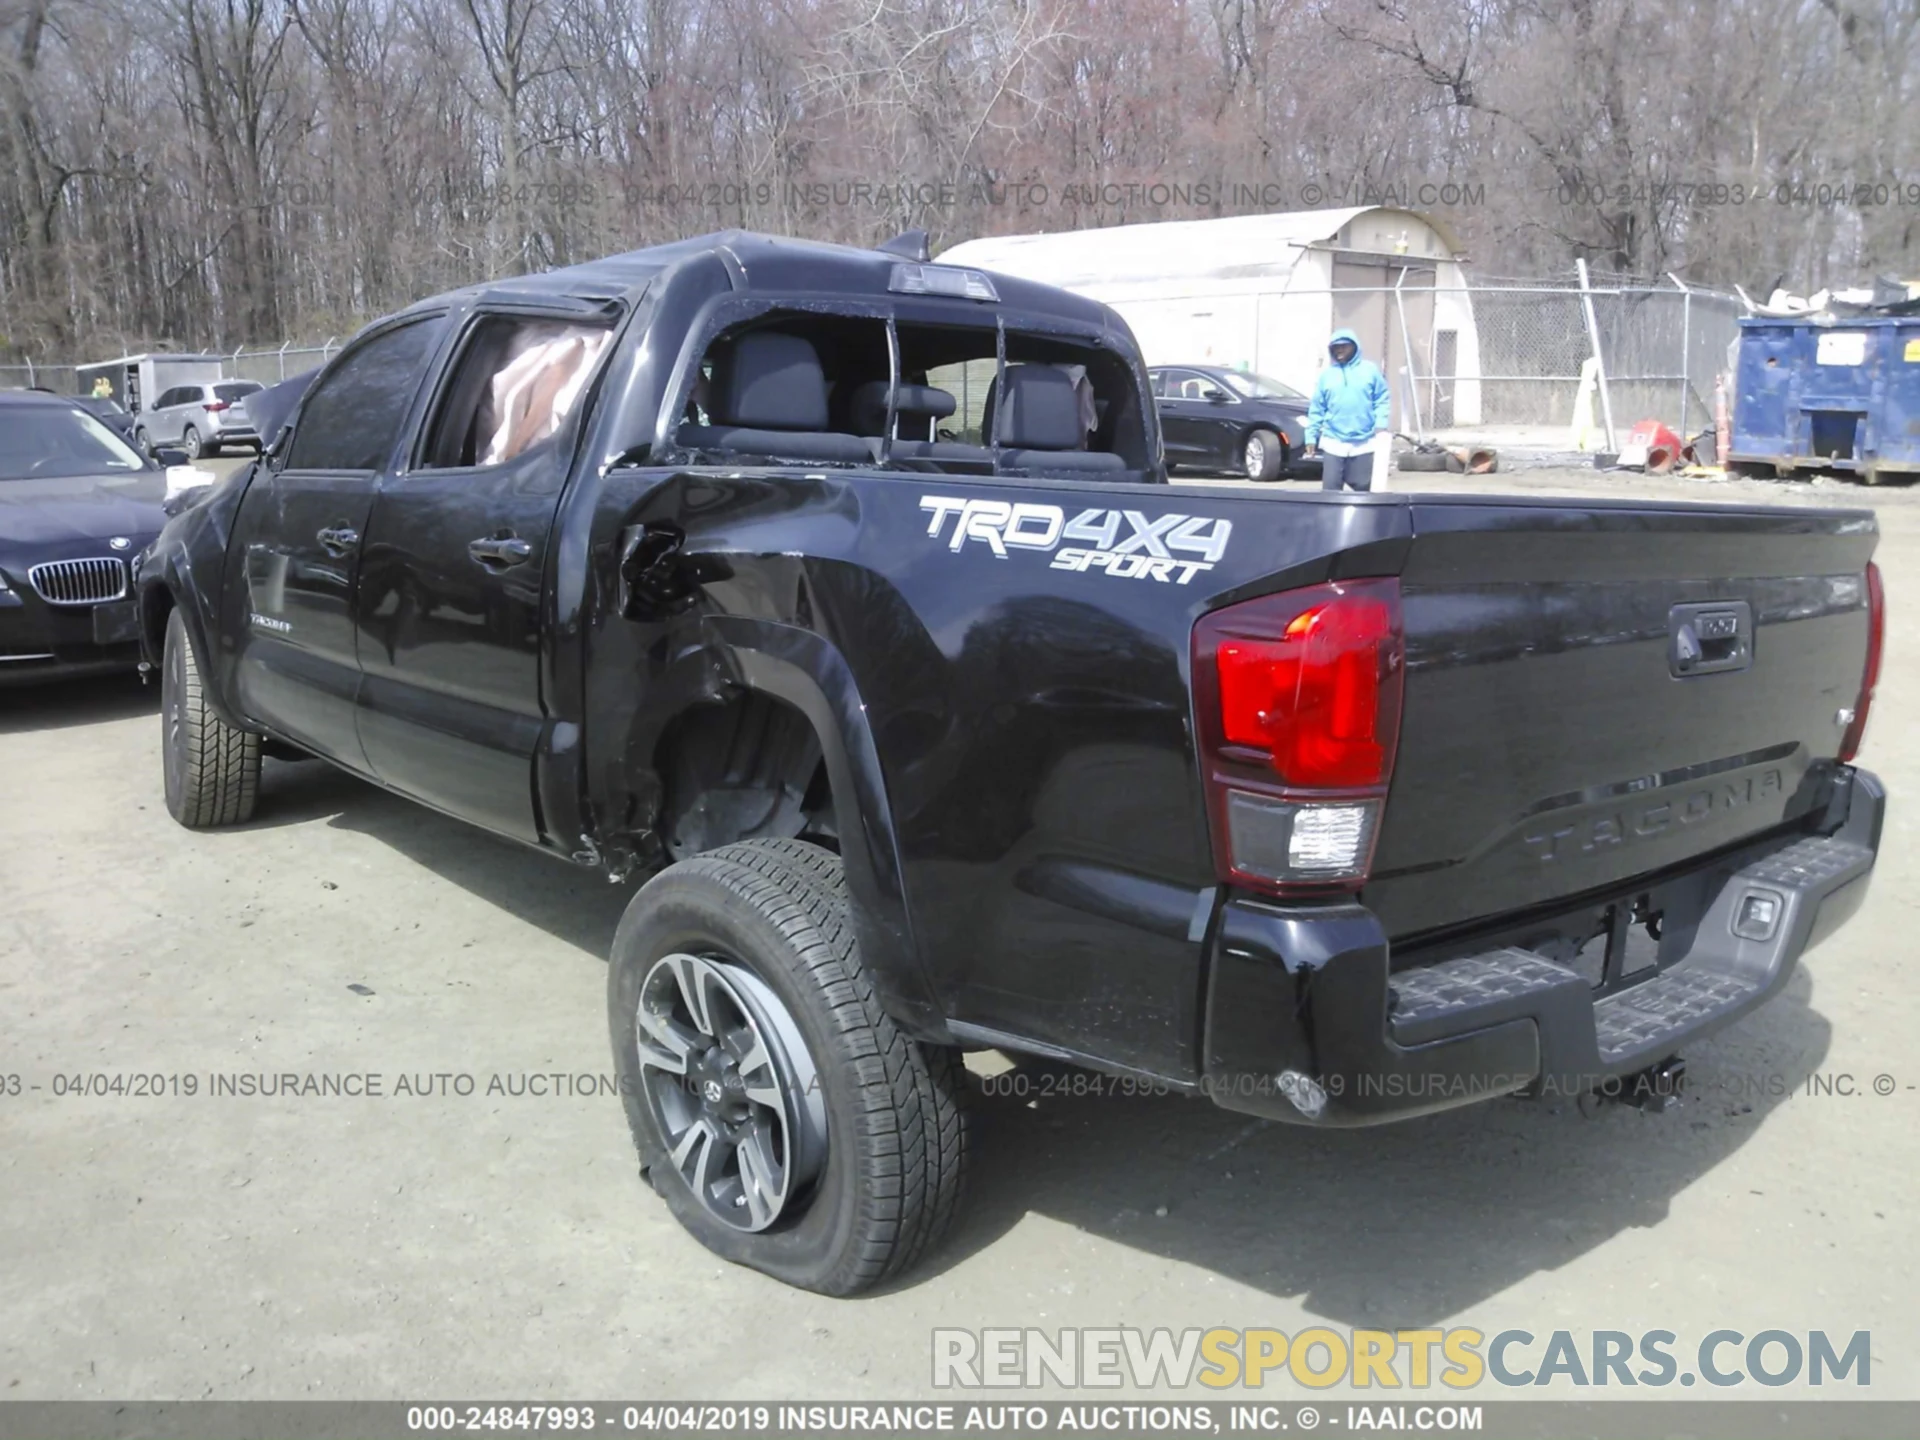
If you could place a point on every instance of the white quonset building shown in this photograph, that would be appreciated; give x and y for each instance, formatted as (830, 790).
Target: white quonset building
(1263, 293)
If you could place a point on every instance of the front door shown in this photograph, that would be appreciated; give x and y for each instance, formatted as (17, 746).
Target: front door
(297, 540)
(1216, 423)
(451, 611)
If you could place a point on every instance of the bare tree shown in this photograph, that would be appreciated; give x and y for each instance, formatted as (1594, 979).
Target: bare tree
(246, 170)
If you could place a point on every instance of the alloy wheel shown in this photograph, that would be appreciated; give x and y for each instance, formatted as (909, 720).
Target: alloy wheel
(732, 1088)
(1255, 459)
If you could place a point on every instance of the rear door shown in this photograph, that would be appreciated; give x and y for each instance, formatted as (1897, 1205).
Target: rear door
(452, 609)
(297, 543)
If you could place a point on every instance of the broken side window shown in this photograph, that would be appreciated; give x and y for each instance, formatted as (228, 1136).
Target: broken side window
(843, 389)
(515, 384)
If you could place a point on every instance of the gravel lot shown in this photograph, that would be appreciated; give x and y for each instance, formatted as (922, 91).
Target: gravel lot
(181, 1247)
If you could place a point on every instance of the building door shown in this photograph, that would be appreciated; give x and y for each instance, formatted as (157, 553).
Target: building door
(1364, 302)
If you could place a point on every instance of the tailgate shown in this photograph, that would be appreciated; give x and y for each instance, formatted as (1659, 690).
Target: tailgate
(1556, 740)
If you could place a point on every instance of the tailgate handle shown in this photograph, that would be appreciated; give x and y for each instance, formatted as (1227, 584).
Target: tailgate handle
(1709, 639)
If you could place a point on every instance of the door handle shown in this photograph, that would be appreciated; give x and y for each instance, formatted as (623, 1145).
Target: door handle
(338, 540)
(499, 552)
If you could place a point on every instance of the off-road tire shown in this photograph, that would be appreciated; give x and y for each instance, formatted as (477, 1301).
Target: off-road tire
(897, 1109)
(1422, 462)
(211, 770)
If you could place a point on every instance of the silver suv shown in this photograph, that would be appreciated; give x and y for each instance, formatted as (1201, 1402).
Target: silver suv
(200, 418)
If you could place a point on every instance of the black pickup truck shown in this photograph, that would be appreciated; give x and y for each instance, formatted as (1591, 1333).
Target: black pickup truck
(843, 595)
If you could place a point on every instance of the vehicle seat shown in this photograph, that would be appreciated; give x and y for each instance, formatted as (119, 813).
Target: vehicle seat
(919, 407)
(769, 397)
(1044, 426)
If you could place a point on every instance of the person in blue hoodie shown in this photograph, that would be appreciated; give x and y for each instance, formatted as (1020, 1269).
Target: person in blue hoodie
(1349, 408)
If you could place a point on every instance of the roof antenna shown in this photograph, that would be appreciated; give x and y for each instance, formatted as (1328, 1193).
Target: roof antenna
(909, 245)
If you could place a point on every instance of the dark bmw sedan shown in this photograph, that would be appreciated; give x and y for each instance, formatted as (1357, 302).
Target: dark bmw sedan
(77, 503)
(1232, 422)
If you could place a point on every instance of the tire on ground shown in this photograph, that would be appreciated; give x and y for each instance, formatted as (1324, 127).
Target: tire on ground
(897, 1113)
(1273, 454)
(211, 770)
(1420, 461)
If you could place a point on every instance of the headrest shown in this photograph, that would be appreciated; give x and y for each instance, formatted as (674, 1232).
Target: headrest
(770, 381)
(869, 405)
(1041, 410)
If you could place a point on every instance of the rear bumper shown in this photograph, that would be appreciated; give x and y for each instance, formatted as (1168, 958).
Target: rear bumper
(1306, 1022)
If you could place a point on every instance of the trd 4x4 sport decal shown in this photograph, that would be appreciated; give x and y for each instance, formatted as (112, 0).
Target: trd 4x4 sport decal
(1127, 544)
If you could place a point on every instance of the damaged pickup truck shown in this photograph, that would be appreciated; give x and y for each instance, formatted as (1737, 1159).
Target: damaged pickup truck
(843, 596)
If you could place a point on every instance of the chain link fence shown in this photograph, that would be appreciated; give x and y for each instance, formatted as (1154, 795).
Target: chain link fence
(1661, 349)
(1509, 353)
(268, 366)
(1495, 352)
(64, 379)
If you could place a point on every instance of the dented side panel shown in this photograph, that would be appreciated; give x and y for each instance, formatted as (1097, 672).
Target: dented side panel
(998, 673)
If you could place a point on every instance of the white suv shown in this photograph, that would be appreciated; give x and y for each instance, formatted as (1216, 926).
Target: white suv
(200, 418)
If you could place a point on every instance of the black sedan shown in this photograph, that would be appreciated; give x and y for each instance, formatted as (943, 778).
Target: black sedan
(1228, 420)
(104, 408)
(77, 503)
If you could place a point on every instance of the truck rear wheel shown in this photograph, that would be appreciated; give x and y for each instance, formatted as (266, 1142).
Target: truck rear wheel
(786, 1122)
(211, 770)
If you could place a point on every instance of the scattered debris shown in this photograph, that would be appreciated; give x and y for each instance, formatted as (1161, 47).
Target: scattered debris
(1702, 450)
(1885, 296)
(1431, 455)
(1651, 446)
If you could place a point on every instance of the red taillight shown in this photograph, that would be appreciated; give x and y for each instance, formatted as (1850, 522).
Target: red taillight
(1876, 637)
(1298, 697)
(214, 407)
(1312, 696)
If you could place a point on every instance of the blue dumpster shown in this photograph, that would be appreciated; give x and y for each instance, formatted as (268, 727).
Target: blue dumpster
(1828, 394)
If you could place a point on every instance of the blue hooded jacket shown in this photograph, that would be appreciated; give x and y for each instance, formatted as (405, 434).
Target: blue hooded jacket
(1350, 401)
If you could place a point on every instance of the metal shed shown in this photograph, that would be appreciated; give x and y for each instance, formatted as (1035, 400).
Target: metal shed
(1263, 292)
(1828, 393)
